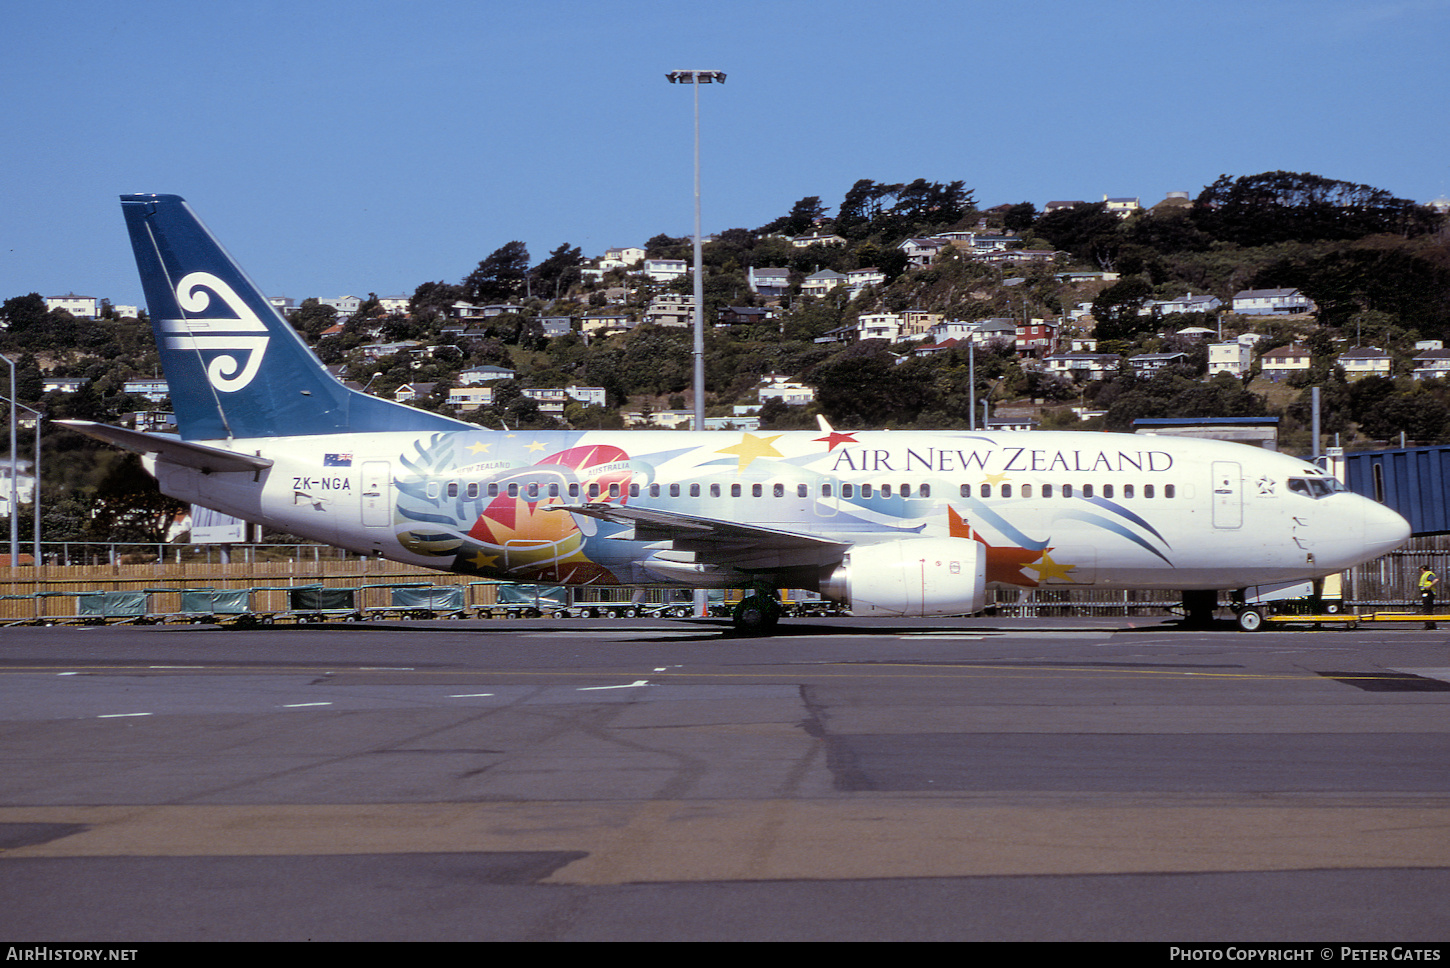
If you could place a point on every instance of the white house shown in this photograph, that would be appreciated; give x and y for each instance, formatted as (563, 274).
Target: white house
(666, 270)
(1271, 302)
(822, 282)
(86, 306)
(671, 309)
(1233, 358)
(777, 387)
(878, 326)
(470, 397)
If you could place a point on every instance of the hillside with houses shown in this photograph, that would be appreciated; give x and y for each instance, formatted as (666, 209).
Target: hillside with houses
(878, 311)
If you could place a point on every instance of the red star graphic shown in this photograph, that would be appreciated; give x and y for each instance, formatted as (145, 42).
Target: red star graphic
(836, 437)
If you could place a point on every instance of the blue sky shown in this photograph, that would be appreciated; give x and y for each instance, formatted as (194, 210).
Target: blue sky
(373, 145)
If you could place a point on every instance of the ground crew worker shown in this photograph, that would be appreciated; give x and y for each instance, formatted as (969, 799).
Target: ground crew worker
(1428, 581)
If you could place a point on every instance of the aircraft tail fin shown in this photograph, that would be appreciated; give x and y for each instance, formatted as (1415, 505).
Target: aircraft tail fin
(235, 367)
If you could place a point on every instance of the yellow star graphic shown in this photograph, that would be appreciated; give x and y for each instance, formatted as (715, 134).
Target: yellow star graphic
(994, 478)
(479, 448)
(1047, 568)
(482, 561)
(751, 447)
(535, 447)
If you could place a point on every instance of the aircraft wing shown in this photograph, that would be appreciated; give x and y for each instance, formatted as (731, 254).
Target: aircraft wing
(173, 449)
(726, 543)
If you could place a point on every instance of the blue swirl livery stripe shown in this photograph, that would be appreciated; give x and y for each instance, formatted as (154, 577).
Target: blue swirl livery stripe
(1115, 528)
(985, 513)
(1116, 508)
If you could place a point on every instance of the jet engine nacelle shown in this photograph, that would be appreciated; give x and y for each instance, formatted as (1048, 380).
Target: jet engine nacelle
(914, 576)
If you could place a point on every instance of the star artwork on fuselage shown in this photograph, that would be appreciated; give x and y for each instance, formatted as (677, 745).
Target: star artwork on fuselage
(1005, 563)
(835, 438)
(751, 447)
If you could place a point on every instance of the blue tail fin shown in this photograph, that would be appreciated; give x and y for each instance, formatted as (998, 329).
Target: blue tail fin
(235, 367)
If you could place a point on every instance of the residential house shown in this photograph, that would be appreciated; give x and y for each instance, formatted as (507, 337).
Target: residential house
(1183, 304)
(671, 309)
(768, 282)
(921, 252)
(1432, 365)
(152, 390)
(1084, 366)
(858, 279)
(624, 257)
(666, 270)
(878, 326)
(822, 282)
(604, 323)
(1234, 358)
(62, 384)
(1284, 361)
(470, 397)
(916, 323)
(1363, 361)
(1037, 338)
(413, 391)
(777, 387)
(1122, 207)
(1022, 256)
(1147, 364)
(994, 330)
(552, 326)
(1271, 302)
(487, 373)
(87, 307)
(742, 316)
(806, 241)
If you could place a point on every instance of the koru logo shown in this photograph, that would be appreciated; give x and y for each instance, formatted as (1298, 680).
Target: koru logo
(219, 341)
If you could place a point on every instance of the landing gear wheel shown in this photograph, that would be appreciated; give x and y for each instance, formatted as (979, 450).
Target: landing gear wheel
(756, 615)
(1251, 619)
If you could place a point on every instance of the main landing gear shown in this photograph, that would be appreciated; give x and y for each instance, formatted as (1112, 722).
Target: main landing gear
(1198, 608)
(757, 612)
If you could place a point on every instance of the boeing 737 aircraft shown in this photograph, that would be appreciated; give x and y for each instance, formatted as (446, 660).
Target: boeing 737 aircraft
(889, 523)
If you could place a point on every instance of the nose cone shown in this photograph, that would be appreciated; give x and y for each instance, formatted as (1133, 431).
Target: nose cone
(1384, 530)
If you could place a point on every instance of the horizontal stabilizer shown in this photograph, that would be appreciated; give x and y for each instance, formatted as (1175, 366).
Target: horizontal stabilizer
(172, 449)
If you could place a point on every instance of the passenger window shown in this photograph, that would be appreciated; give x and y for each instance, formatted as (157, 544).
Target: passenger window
(493, 490)
(986, 490)
(714, 490)
(513, 490)
(1026, 490)
(847, 490)
(885, 490)
(1148, 491)
(1067, 490)
(695, 490)
(534, 489)
(755, 490)
(734, 490)
(674, 490)
(553, 490)
(779, 490)
(452, 488)
(1006, 490)
(654, 490)
(865, 490)
(1128, 491)
(1107, 490)
(802, 490)
(825, 490)
(1047, 490)
(1167, 490)
(573, 489)
(471, 491)
(634, 490)
(434, 489)
(1087, 490)
(593, 490)
(966, 490)
(924, 490)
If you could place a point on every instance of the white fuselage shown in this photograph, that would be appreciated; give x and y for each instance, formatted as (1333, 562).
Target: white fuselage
(1048, 509)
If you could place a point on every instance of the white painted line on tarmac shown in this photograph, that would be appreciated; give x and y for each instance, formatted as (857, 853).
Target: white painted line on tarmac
(120, 715)
(637, 682)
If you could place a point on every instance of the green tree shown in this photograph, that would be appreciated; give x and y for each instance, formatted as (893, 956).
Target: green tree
(500, 276)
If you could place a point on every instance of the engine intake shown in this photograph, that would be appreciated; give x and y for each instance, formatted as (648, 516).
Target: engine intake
(912, 577)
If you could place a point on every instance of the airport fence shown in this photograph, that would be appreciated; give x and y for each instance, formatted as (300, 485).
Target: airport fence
(78, 581)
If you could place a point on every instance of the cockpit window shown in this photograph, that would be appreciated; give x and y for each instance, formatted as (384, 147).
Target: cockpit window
(1315, 487)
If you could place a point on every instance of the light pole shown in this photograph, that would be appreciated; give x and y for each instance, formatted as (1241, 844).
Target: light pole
(14, 489)
(35, 491)
(696, 78)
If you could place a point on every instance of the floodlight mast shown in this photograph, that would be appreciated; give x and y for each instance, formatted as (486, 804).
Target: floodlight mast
(695, 79)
